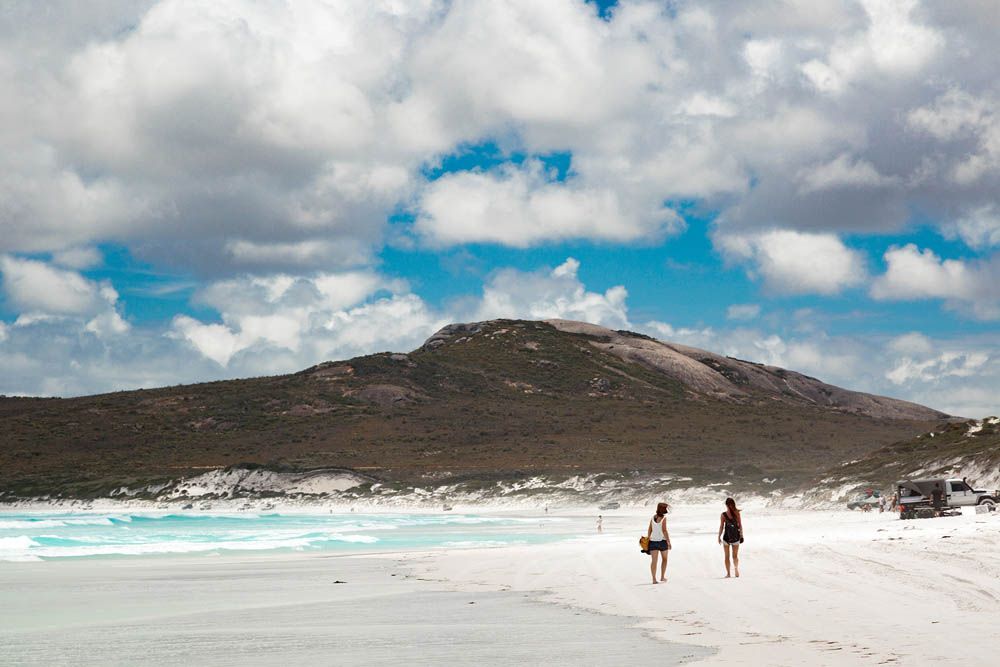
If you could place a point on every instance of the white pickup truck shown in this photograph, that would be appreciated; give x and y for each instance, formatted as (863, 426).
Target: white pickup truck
(916, 496)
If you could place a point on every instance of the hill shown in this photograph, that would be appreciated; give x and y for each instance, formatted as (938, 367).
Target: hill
(477, 403)
(957, 449)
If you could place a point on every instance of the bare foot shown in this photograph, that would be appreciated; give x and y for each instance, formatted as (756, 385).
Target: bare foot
(737, 575)
(655, 581)
(727, 576)
(663, 578)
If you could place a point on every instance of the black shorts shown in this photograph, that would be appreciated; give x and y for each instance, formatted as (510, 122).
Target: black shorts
(660, 545)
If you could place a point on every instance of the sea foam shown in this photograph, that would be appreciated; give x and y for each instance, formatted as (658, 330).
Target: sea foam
(57, 536)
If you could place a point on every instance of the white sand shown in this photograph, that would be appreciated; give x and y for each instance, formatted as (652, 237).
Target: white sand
(818, 588)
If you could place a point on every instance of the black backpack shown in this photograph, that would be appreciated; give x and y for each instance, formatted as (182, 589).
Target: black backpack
(731, 533)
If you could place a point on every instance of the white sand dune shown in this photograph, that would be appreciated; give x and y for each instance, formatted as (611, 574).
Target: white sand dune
(817, 588)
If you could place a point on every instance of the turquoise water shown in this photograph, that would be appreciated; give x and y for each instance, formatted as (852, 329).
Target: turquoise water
(32, 536)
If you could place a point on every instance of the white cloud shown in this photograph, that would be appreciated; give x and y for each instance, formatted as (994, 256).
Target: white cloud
(35, 287)
(912, 274)
(339, 315)
(911, 344)
(979, 228)
(558, 293)
(892, 44)
(311, 319)
(743, 311)
(285, 133)
(78, 258)
(957, 117)
(521, 207)
(793, 262)
(954, 364)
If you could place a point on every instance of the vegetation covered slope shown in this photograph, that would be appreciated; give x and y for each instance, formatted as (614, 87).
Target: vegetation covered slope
(486, 400)
(957, 449)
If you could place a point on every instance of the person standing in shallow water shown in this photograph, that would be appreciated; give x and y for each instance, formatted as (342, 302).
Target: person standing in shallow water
(731, 534)
(659, 541)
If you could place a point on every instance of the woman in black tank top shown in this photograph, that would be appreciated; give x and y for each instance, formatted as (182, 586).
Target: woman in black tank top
(731, 534)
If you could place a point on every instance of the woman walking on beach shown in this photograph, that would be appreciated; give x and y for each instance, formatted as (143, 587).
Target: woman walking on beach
(659, 541)
(731, 534)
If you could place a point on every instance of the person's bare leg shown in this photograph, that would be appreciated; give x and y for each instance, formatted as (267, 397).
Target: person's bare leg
(736, 559)
(725, 548)
(652, 563)
(663, 565)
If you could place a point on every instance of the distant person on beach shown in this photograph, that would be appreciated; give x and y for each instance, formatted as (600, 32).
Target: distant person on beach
(659, 541)
(600, 523)
(731, 534)
(937, 498)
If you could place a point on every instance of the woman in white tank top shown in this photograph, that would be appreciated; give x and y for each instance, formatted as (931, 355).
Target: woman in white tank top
(659, 541)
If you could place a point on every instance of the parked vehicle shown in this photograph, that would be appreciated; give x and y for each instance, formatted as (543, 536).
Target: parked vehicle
(610, 506)
(916, 496)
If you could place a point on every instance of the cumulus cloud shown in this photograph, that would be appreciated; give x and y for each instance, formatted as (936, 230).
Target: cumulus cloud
(958, 117)
(912, 274)
(261, 147)
(39, 291)
(272, 135)
(558, 293)
(894, 42)
(307, 319)
(945, 364)
(979, 228)
(522, 207)
(793, 262)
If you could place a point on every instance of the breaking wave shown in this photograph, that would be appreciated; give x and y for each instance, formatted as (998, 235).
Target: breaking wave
(27, 537)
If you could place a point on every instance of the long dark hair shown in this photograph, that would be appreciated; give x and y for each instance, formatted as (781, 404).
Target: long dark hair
(731, 507)
(661, 510)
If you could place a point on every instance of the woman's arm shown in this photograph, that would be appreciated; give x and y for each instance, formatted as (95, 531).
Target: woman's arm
(739, 522)
(649, 531)
(722, 525)
(666, 534)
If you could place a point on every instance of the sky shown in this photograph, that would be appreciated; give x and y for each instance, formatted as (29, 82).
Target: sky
(193, 191)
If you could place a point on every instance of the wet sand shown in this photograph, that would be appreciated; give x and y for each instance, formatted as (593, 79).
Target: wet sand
(286, 609)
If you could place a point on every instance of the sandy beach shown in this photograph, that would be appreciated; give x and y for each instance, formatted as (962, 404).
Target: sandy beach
(818, 588)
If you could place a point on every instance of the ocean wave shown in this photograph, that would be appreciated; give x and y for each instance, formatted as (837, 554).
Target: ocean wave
(17, 548)
(193, 516)
(187, 547)
(18, 524)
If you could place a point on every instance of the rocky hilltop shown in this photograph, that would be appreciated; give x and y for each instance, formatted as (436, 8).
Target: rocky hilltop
(478, 406)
